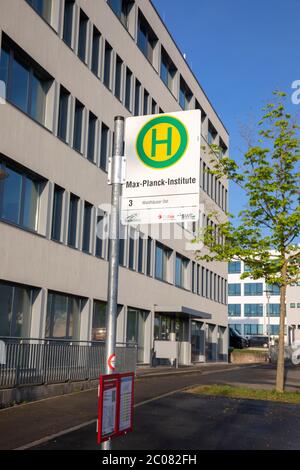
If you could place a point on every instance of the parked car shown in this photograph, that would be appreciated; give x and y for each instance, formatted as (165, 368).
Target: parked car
(259, 341)
(236, 340)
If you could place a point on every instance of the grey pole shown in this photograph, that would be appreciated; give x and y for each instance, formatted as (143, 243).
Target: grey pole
(114, 227)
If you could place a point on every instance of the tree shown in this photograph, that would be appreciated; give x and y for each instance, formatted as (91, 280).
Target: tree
(266, 232)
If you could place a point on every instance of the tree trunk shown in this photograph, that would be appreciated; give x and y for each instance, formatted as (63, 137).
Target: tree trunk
(280, 359)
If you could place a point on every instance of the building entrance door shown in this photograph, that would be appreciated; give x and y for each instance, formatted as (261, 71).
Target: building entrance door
(136, 320)
(197, 339)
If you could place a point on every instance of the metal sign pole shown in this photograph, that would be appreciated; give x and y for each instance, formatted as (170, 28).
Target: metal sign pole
(116, 179)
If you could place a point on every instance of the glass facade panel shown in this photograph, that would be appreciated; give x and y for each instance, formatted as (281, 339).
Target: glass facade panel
(253, 310)
(234, 289)
(99, 321)
(234, 310)
(255, 288)
(234, 267)
(15, 310)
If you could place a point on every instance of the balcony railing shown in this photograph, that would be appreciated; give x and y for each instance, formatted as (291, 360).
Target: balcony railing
(31, 361)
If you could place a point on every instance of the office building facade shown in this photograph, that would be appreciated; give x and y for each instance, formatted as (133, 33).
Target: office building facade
(68, 67)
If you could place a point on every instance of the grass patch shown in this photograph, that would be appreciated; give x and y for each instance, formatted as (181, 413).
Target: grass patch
(246, 392)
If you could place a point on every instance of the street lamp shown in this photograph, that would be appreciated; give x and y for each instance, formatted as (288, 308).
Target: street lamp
(268, 294)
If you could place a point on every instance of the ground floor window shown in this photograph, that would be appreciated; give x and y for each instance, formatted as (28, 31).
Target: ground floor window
(135, 333)
(99, 321)
(237, 327)
(15, 309)
(253, 329)
(274, 329)
(165, 325)
(63, 316)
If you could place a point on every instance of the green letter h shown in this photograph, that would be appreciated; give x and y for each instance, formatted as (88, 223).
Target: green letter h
(167, 141)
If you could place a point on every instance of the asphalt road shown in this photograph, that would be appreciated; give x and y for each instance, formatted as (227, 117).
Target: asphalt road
(185, 421)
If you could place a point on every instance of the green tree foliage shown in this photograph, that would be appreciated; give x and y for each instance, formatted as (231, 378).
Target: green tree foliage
(266, 233)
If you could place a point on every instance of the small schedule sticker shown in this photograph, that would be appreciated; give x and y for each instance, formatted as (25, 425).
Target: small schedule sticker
(126, 403)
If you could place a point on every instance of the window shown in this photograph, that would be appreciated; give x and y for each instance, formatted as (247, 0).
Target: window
(141, 255)
(91, 137)
(234, 267)
(153, 106)
(253, 310)
(234, 310)
(146, 38)
(203, 113)
(104, 146)
(62, 128)
(68, 21)
(223, 148)
(57, 213)
(234, 289)
(180, 270)
(164, 325)
(83, 23)
(19, 197)
(274, 310)
(202, 281)
(26, 83)
(255, 288)
(122, 9)
(99, 234)
(99, 321)
(107, 65)
(122, 252)
(237, 327)
(293, 305)
(167, 70)
(274, 329)
(162, 256)
(137, 98)
(95, 51)
(149, 255)
(87, 217)
(43, 8)
(212, 133)
(78, 119)
(118, 82)
(15, 309)
(63, 316)
(185, 95)
(73, 213)
(146, 102)
(131, 249)
(273, 289)
(253, 329)
(128, 89)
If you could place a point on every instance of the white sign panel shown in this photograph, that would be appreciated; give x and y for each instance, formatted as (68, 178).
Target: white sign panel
(109, 411)
(162, 169)
(125, 403)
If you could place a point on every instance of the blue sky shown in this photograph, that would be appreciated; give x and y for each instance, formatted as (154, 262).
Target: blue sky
(240, 51)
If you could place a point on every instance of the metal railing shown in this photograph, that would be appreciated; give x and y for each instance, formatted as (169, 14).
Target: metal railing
(31, 361)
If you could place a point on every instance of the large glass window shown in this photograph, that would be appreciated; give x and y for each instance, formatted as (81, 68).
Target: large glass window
(78, 119)
(135, 332)
(253, 329)
(167, 70)
(234, 267)
(141, 255)
(73, 216)
(64, 98)
(273, 289)
(83, 23)
(253, 310)
(19, 197)
(237, 327)
(57, 213)
(99, 321)
(180, 270)
(107, 65)
(131, 260)
(63, 316)
(185, 95)
(91, 137)
(234, 289)
(128, 89)
(234, 310)
(212, 133)
(146, 37)
(149, 255)
(274, 329)
(95, 51)
(146, 102)
(137, 98)
(68, 21)
(118, 81)
(104, 146)
(26, 85)
(43, 8)
(165, 325)
(122, 9)
(87, 218)
(274, 310)
(254, 288)
(162, 256)
(15, 309)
